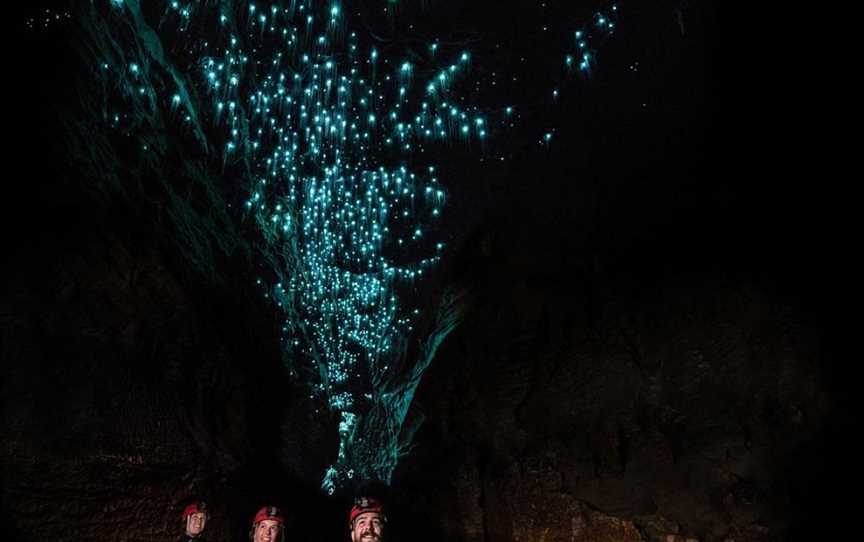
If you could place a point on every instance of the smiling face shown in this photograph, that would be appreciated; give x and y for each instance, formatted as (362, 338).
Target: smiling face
(266, 530)
(367, 527)
(195, 523)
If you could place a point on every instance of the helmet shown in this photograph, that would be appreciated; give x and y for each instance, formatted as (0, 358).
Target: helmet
(269, 512)
(363, 505)
(194, 508)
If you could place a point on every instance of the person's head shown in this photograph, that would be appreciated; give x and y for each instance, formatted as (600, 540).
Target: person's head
(195, 518)
(267, 526)
(366, 520)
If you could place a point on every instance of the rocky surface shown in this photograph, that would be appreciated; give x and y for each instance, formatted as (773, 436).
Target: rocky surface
(673, 404)
(127, 392)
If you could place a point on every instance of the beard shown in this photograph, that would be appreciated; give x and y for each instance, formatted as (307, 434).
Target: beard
(368, 537)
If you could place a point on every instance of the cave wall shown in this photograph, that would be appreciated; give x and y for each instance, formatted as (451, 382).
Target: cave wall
(127, 391)
(580, 402)
(646, 362)
(139, 367)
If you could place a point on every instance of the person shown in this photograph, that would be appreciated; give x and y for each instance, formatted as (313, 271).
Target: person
(367, 520)
(268, 525)
(195, 520)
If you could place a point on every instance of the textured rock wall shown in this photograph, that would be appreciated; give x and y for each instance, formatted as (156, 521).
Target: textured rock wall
(125, 390)
(616, 395)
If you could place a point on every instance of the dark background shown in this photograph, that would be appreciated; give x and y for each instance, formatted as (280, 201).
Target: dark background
(659, 296)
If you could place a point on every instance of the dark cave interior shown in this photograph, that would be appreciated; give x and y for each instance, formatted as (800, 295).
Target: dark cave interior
(650, 353)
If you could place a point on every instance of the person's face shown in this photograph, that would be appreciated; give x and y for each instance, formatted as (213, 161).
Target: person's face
(368, 527)
(195, 523)
(266, 531)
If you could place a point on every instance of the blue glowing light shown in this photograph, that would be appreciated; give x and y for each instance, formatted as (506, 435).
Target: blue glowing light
(329, 144)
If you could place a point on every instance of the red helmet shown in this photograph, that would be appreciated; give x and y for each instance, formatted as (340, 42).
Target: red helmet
(194, 508)
(269, 512)
(363, 505)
